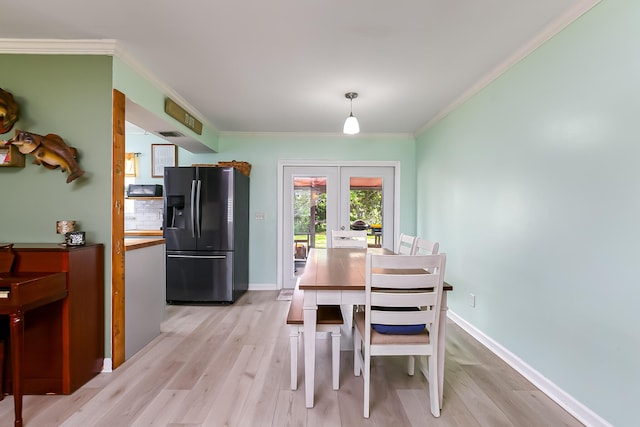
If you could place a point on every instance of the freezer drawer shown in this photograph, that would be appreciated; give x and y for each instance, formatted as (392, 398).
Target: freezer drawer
(199, 278)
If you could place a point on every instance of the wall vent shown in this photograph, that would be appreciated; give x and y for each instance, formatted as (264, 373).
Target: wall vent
(170, 134)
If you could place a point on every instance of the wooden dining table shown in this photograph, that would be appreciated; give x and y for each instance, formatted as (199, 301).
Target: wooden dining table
(337, 276)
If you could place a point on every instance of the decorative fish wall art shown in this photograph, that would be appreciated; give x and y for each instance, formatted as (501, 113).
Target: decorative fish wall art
(8, 111)
(49, 151)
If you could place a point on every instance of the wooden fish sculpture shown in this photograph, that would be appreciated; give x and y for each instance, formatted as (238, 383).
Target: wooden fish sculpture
(8, 111)
(49, 151)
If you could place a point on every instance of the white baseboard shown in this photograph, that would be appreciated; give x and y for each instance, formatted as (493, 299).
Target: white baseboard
(555, 393)
(263, 287)
(106, 365)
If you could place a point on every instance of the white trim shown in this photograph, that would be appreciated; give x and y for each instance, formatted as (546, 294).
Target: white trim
(280, 224)
(323, 135)
(339, 163)
(555, 393)
(131, 61)
(107, 365)
(107, 47)
(263, 287)
(547, 33)
(59, 47)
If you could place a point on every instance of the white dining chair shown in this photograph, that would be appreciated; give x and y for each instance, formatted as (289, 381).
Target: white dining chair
(349, 239)
(406, 243)
(401, 317)
(425, 247)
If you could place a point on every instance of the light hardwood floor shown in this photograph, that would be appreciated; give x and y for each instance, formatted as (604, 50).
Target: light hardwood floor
(229, 366)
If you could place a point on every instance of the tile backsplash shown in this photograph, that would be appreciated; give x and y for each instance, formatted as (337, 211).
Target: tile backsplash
(143, 214)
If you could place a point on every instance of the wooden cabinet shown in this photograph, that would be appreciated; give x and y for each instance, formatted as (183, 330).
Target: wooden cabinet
(64, 341)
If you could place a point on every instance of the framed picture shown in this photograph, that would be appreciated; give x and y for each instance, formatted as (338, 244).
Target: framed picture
(162, 155)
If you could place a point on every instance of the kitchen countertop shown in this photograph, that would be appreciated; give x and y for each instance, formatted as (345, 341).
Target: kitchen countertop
(131, 243)
(128, 233)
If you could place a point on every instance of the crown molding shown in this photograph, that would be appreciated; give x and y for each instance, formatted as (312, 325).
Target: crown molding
(58, 46)
(125, 56)
(322, 135)
(108, 47)
(547, 33)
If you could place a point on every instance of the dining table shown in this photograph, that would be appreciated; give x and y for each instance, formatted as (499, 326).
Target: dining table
(337, 276)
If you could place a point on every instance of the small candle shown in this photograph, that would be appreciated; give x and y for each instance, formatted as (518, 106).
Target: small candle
(63, 227)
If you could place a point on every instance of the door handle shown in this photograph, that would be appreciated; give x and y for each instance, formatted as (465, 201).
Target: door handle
(198, 208)
(193, 208)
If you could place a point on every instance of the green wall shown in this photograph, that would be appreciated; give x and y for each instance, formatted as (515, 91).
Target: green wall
(531, 188)
(72, 96)
(69, 96)
(264, 151)
(141, 144)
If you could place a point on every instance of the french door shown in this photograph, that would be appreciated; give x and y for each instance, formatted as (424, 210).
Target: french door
(367, 193)
(318, 199)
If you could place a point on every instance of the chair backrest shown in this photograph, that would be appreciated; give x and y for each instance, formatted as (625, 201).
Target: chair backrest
(425, 247)
(349, 238)
(401, 291)
(405, 244)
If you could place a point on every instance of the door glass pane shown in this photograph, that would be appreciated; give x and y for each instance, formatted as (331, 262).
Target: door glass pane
(365, 207)
(309, 217)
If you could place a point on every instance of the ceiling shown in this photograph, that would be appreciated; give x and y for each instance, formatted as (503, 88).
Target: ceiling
(285, 65)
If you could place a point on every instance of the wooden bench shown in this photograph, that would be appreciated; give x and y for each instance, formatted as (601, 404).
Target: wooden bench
(329, 319)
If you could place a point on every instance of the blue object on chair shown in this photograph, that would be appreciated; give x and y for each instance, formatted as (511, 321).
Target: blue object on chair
(397, 329)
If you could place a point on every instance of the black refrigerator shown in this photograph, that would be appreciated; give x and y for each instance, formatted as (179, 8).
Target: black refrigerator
(206, 231)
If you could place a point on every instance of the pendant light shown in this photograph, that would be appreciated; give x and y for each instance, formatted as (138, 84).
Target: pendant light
(351, 126)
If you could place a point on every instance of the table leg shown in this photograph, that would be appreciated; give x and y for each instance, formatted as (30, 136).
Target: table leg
(16, 328)
(310, 319)
(442, 338)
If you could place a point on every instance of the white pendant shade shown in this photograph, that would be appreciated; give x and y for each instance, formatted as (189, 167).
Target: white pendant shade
(351, 126)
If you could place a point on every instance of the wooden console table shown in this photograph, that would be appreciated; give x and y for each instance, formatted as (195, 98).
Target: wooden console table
(20, 293)
(64, 340)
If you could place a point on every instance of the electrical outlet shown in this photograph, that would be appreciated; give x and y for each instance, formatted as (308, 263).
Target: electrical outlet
(472, 300)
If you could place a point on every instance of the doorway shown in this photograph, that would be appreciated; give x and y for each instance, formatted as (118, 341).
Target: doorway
(316, 198)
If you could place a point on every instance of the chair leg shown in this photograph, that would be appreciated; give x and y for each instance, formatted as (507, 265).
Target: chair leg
(434, 393)
(347, 315)
(335, 357)
(367, 381)
(357, 353)
(411, 365)
(294, 336)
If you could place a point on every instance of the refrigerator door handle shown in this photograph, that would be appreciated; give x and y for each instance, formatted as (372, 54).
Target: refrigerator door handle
(199, 201)
(193, 208)
(198, 256)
